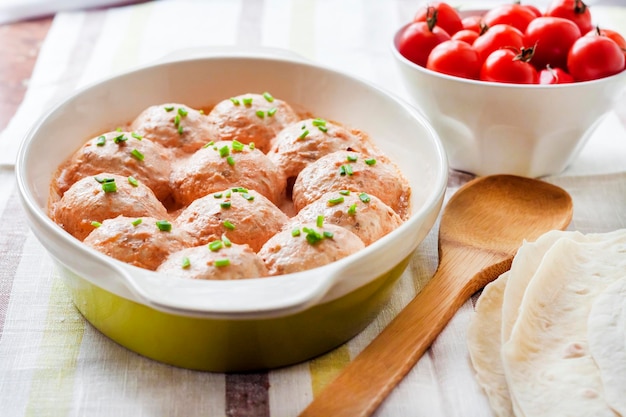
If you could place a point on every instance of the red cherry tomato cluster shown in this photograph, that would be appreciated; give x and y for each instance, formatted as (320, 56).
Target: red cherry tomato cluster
(514, 43)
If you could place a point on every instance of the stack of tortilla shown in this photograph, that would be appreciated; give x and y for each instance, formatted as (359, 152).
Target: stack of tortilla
(549, 336)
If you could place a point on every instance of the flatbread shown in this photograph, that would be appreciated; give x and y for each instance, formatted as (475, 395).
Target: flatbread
(483, 341)
(606, 332)
(547, 363)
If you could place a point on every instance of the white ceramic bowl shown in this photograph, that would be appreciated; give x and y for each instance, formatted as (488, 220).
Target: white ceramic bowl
(198, 323)
(495, 128)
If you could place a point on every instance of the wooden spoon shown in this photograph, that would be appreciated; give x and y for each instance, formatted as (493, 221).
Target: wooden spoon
(482, 227)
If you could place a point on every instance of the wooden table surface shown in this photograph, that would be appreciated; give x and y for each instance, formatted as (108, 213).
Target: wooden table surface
(19, 46)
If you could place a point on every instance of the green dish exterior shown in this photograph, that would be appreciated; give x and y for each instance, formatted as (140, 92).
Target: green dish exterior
(235, 345)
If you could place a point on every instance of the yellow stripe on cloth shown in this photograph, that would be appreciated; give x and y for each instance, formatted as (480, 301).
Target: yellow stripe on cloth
(326, 368)
(52, 387)
(127, 55)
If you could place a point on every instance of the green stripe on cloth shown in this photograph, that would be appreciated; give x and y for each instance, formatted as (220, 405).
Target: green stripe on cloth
(302, 28)
(52, 388)
(326, 368)
(127, 54)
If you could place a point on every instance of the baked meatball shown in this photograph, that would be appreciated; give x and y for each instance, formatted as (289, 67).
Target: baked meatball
(243, 216)
(251, 118)
(363, 214)
(174, 126)
(140, 241)
(223, 165)
(303, 142)
(219, 261)
(104, 196)
(306, 246)
(122, 153)
(353, 171)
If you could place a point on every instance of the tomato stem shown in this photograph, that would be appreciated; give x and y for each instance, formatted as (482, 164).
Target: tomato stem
(431, 17)
(580, 7)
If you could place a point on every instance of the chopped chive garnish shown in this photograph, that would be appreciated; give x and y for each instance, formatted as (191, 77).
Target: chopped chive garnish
(303, 135)
(272, 111)
(239, 190)
(206, 145)
(229, 225)
(228, 194)
(320, 221)
(137, 155)
(217, 195)
(224, 151)
(295, 232)
(234, 101)
(96, 224)
(136, 222)
(226, 241)
(119, 129)
(247, 101)
(169, 108)
(352, 210)
(101, 141)
(344, 192)
(268, 97)
(247, 196)
(370, 161)
(109, 187)
(328, 235)
(251, 145)
(177, 120)
(364, 197)
(335, 201)
(103, 180)
(352, 158)
(346, 170)
(222, 262)
(319, 122)
(186, 263)
(303, 126)
(180, 130)
(323, 128)
(183, 112)
(164, 225)
(237, 146)
(136, 136)
(260, 113)
(225, 205)
(312, 236)
(216, 245)
(133, 181)
(230, 160)
(120, 139)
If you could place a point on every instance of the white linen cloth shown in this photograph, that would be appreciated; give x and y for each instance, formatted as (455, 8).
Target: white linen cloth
(52, 363)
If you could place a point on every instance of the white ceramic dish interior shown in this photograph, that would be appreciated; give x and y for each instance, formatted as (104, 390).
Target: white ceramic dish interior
(494, 128)
(397, 128)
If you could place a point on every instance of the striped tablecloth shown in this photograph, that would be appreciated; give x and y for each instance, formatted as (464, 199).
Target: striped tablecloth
(53, 363)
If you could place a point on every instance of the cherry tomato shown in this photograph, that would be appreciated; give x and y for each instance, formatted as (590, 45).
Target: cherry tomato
(574, 10)
(551, 75)
(445, 15)
(496, 37)
(474, 23)
(534, 9)
(508, 66)
(552, 38)
(514, 14)
(418, 39)
(611, 34)
(456, 58)
(593, 57)
(465, 35)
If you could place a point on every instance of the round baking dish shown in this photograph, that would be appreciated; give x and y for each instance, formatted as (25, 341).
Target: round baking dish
(244, 325)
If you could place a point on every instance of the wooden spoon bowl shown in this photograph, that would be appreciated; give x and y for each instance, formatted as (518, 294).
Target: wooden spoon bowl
(482, 227)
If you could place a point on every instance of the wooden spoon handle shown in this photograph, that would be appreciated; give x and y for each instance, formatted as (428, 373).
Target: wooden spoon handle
(369, 378)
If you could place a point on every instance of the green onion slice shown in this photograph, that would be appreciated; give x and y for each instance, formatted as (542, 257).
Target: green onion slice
(136, 136)
(226, 241)
(344, 192)
(272, 111)
(133, 181)
(224, 151)
(364, 198)
(137, 155)
(237, 146)
(230, 160)
(216, 245)
(303, 135)
(119, 139)
(96, 224)
(260, 114)
(164, 225)
(222, 262)
(186, 263)
(247, 101)
(225, 205)
(352, 158)
(295, 232)
(136, 222)
(370, 161)
(234, 101)
(335, 201)
(109, 187)
(229, 225)
(268, 97)
(352, 210)
(320, 221)
(183, 112)
(101, 140)
(169, 108)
